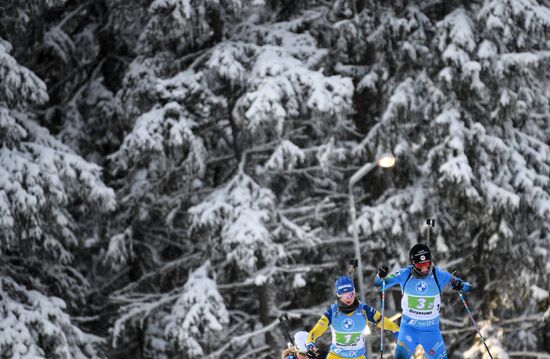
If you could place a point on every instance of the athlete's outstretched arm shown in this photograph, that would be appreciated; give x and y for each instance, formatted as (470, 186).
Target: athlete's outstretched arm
(391, 279)
(321, 326)
(374, 317)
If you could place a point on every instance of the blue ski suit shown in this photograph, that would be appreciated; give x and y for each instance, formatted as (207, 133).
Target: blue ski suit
(420, 304)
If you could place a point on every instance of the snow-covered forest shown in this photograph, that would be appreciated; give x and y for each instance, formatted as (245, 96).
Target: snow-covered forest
(174, 174)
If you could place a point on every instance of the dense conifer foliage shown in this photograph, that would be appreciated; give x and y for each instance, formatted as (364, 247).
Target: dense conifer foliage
(174, 174)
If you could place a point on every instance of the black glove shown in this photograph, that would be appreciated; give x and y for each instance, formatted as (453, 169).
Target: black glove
(456, 284)
(382, 271)
(311, 353)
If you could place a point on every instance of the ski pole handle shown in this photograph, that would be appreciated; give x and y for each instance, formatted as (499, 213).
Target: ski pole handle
(352, 265)
(382, 319)
(473, 321)
(430, 223)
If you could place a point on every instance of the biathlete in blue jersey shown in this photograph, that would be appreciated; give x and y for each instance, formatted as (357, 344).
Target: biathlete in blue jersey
(347, 319)
(421, 285)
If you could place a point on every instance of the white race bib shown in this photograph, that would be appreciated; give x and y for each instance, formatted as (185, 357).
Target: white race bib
(422, 307)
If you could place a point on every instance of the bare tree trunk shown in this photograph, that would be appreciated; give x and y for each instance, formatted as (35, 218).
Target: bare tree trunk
(265, 297)
(546, 338)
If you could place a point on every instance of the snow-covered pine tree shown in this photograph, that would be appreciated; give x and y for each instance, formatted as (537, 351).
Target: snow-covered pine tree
(161, 163)
(41, 179)
(199, 316)
(232, 108)
(469, 127)
(191, 327)
(81, 50)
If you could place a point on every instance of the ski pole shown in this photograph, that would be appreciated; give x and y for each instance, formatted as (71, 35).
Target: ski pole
(473, 321)
(282, 320)
(382, 319)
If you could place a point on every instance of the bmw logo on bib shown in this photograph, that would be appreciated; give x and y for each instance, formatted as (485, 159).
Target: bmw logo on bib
(348, 323)
(421, 287)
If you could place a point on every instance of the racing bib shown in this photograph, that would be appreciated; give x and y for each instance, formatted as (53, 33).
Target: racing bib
(347, 339)
(421, 307)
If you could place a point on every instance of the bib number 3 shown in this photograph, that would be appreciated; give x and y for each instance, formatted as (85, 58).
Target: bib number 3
(421, 303)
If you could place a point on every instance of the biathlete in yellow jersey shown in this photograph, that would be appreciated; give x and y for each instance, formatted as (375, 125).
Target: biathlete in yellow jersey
(347, 319)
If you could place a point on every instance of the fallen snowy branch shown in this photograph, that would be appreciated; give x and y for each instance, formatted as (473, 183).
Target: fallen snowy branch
(242, 338)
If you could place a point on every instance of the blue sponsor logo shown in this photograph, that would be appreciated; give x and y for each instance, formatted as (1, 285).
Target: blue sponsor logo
(348, 323)
(421, 287)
